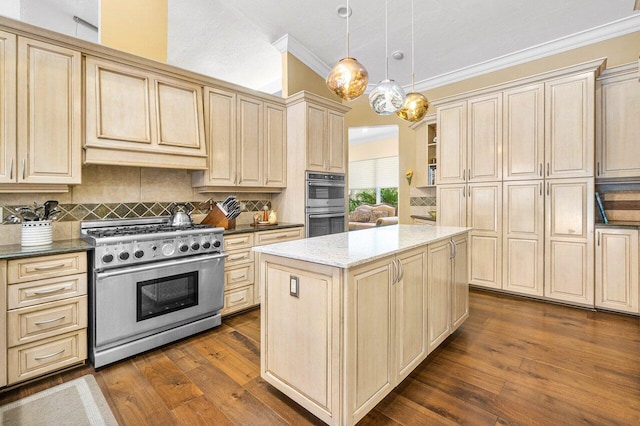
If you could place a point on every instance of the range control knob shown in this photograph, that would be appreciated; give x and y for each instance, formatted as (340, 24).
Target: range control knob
(168, 249)
(217, 243)
(206, 245)
(184, 248)
(195, 246)
(138, 253)
(107, 258)
(124, 255)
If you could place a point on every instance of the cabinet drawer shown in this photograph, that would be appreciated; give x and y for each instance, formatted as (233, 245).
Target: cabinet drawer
(35, 268)
(238, 257)
(239, 276)
(34, 292)
(46, 320)
(36, 359)
(237, 299)
(234, 242)
(278, 236)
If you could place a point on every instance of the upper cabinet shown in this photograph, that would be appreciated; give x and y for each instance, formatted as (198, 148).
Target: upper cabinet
(452, 143)
(40, 144)
(138, 117)
(426, 159)
(246, 141)
(316, 125)
(569, 126)
(617, 124)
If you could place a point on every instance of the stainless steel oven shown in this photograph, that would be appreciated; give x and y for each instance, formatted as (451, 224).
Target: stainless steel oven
(325, 190)
(325, 206)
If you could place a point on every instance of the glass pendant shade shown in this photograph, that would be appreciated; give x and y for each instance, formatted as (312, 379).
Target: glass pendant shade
(348, 79)
(387, 97)
(415, 107)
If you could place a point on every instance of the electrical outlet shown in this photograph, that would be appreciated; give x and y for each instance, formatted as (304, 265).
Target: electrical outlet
(294, 286)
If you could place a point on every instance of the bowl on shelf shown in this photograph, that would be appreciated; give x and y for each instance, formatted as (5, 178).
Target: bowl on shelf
(432, 213)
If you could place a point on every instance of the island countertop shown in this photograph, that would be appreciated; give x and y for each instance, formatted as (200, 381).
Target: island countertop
(349, 249)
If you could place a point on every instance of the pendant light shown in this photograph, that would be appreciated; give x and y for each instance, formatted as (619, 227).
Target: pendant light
(415, 104)
(388, 95)
(348, 78)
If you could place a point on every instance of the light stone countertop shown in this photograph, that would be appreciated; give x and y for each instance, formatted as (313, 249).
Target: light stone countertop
(349, 249)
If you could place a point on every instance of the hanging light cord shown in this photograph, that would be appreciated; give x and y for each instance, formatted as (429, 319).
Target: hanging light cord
(413, 51)
(348, 13)
(386, 40)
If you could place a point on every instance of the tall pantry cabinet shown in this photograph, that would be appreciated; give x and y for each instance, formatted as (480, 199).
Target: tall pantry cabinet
(521, 174)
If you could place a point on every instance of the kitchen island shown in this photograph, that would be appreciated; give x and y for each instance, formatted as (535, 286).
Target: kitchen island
(346, 317)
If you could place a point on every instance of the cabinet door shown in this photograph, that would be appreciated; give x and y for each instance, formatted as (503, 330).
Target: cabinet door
(460, 282)
(316, 138)
(179, 116)
(220, 122)
(484, 138)
(250, 141)
(275, 145)
(49, 113)
(336, 146)
(484, 202)
(523, 132)
(569, 250)
(523, 260)
(370, 311)
(3, 323)
(8, 165)
(452, 143)
(439, 275)
(617, 269)
(569, 126)
(411, 313)
(618, 152)
(452, 205)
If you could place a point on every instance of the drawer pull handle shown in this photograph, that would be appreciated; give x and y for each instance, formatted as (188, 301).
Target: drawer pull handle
(238, 277)
(51, 320)
(38, 358)
(50, 267)
(237, 256)
(51, 290)
(237, 299)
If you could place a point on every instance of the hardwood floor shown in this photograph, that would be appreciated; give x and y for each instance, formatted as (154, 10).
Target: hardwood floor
(514, 361)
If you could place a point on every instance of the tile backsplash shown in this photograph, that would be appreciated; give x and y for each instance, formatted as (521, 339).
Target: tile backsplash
(111, 192)
(422, 200)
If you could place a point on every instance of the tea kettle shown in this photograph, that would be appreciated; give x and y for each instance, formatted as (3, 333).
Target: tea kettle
(180, 215)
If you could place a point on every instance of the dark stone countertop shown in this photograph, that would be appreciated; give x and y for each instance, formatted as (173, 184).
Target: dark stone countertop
(241, 229)
(417, 216)
(16, 251)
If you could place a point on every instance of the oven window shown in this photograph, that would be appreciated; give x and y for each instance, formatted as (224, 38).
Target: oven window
(168, 294)
(325, 225)
(326, 192)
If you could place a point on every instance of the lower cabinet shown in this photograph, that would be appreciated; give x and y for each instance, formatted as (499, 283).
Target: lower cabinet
(240, 284)
(617, 269)
(46, 315)
(337, 341)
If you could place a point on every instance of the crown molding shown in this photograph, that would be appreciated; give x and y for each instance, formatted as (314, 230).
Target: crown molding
(603, 32)
(287, 43)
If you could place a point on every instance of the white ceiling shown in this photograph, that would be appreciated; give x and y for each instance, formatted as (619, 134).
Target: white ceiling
(233, 40)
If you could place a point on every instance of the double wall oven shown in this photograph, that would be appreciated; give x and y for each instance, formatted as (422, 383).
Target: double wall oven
(326, 203)
(151, 284)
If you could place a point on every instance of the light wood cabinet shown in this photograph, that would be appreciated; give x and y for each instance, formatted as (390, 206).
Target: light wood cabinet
(3, 323)
(452, 205)
(40, 115)
(523, 237)
(523, 132)
(569, 248)
(452, 143)
(460, 281)
(484, 215)
(424, 172)
(246, 140)
(46, 314)
(617, 124)
(617, 269)
(484, 138)
(142, 118)
(569, 126)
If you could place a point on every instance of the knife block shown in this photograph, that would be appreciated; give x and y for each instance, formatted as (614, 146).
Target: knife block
(217, 218)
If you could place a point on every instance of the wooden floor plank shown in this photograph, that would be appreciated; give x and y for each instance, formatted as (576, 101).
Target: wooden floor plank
(513, 362)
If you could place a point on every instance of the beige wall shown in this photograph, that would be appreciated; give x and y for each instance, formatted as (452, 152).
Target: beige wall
(374, 149)
(296, 77)
(619, 50)
(138, 27)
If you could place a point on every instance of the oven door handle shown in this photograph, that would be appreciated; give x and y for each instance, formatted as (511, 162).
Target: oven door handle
(310, 183)
(324, 216)
(150, 266)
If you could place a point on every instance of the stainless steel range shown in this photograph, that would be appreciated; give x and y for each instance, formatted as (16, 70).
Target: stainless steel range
(152, 284)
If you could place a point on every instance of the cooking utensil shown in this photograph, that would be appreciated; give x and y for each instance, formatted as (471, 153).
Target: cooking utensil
(27, 214)
(12, 219)
(53, 214)
(48, 207)
(180, 215)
